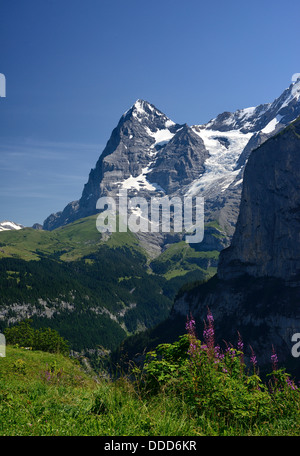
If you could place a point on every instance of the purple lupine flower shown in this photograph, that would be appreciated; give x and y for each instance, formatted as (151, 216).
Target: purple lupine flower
(240, 347)
(232, 353)
(291, 384)
(209, 331)
(190, 326)
(227, 348)
(240, 344)
(208, 334)
(253, 359)
(218, 354)
(192, 349)
(209, 317)
(274, 359)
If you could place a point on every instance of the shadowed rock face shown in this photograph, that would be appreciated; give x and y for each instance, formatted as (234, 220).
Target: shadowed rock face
(180, 162)
(130, 149)
(257, 288)
(266, 241)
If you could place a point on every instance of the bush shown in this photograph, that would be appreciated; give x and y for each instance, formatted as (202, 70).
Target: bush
(215, 383)
(44, 339)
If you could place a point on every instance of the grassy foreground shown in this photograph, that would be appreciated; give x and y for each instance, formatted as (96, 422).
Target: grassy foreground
(187, 388)
(43, 394)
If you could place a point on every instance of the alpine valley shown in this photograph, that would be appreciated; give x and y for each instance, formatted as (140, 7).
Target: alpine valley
(99, 289)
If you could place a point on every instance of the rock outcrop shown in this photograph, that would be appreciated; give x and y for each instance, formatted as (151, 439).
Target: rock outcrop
(266, 242)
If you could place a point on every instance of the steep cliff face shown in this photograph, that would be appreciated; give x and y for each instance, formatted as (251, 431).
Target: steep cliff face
(257, 288)
(266, 242)
(180, 162)
(125, 161)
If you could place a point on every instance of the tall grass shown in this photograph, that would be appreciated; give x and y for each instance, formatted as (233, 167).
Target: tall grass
(188, 388)
(43, 394)
(220, 392)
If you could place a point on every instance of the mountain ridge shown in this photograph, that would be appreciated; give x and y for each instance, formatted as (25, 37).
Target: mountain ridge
(146, 155)
(7, 225)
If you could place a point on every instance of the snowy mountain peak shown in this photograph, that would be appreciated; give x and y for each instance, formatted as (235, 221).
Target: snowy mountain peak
(147, 113)
(148, 152)
(143, 106)
(7, 225)
(292, 93)
(267, 117)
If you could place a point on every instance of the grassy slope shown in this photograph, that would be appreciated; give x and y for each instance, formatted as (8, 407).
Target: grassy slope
(178, 264)
(68, 243)
(81, 238)
(180, 258)
(70, 402)
(76, 265)
(43, 394)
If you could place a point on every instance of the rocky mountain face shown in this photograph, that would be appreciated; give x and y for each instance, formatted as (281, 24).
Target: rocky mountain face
(37, 226)
(257, 288)
(266, 241)
(150, 155)
(124, 163)
(180, 162)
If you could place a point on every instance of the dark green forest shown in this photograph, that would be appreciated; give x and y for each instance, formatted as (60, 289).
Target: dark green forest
(110, 281)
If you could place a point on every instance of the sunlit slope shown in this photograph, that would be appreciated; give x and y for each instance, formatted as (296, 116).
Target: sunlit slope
(67, 243)
(94, 289)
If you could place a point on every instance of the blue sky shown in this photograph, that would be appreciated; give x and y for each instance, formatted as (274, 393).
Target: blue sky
(73, 67)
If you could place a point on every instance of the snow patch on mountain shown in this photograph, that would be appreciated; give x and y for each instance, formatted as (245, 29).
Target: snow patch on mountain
(161, 137)
(272, 125)
(224, 149)
(293, 95)
(7, 226)
(140, 182)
